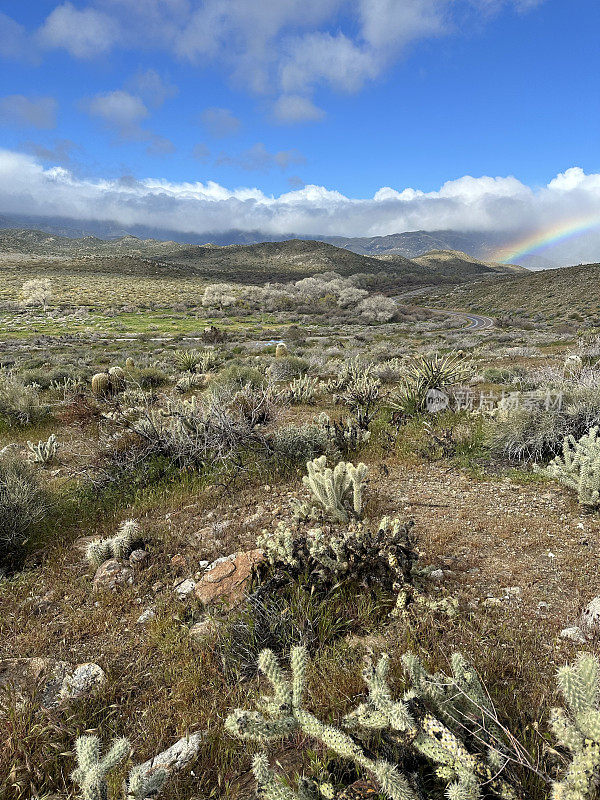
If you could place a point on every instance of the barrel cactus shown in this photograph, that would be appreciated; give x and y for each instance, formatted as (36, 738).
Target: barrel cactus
(101, 384)
(117, 379)
(281, 350)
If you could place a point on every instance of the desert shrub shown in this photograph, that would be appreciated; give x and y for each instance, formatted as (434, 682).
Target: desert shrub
(287, 368)
(19, 404)
(425, 373)
(150, 377)
(537, 434)
(194, 360)
(377, 308)
(297, 444)
(44, 378)
(236, 376)
(192, 433)
(23, 504)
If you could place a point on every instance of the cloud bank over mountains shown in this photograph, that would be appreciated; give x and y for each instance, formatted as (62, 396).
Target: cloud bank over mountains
(465, 204)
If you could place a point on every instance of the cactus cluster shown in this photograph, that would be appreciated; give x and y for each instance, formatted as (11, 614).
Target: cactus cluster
(337, 492)
(106, 384)
(93, 768)
(345, 436)
(446, 722)
(578, 729)
(118, 546)
(303, 389)
(579, 468)
(364, 553)
(43, 452)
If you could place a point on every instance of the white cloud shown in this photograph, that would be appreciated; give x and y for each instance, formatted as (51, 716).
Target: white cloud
(84, 33)
(220, 122)
(469, 204)
(28, 112)
(14, 40)
(151, 87)
(291, 108)
(120, 111)
(279, 48)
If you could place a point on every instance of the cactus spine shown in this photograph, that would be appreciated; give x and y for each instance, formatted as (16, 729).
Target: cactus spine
(578, 729)
(332, 488)
(118, 546)
(579, 468)
(92, 768)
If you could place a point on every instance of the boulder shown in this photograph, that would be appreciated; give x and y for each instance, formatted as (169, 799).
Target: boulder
(112, 575)
(53, 681)
(184, 588)
(175, 757)
(228, 578)
(84, 679)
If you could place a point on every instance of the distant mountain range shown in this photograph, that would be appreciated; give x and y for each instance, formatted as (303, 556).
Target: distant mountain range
(247, 263)
(408, 244)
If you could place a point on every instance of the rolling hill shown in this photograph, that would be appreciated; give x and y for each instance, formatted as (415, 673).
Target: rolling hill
(567, 294)
(254, 263)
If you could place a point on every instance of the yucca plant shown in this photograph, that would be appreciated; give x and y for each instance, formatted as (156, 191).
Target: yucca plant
(425, 373)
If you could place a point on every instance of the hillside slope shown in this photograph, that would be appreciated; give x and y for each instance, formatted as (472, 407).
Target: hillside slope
(557, 295)
(453, 262)
(249, 263)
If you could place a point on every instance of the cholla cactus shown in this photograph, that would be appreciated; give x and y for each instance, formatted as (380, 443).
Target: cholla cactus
(578, 729)
(43, 452)
(382, 554)
(301, 390)
(410, 722)
(92, 770)
(579, 468)
(284, 715)
(346, 436)
(142, 783)
(118, 546)
(362, 396)
(333, 490)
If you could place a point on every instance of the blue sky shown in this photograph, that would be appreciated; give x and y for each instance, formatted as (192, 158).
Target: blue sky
(344, 96)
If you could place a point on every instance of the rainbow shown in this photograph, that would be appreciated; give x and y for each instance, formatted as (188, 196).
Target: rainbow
(539, 241)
